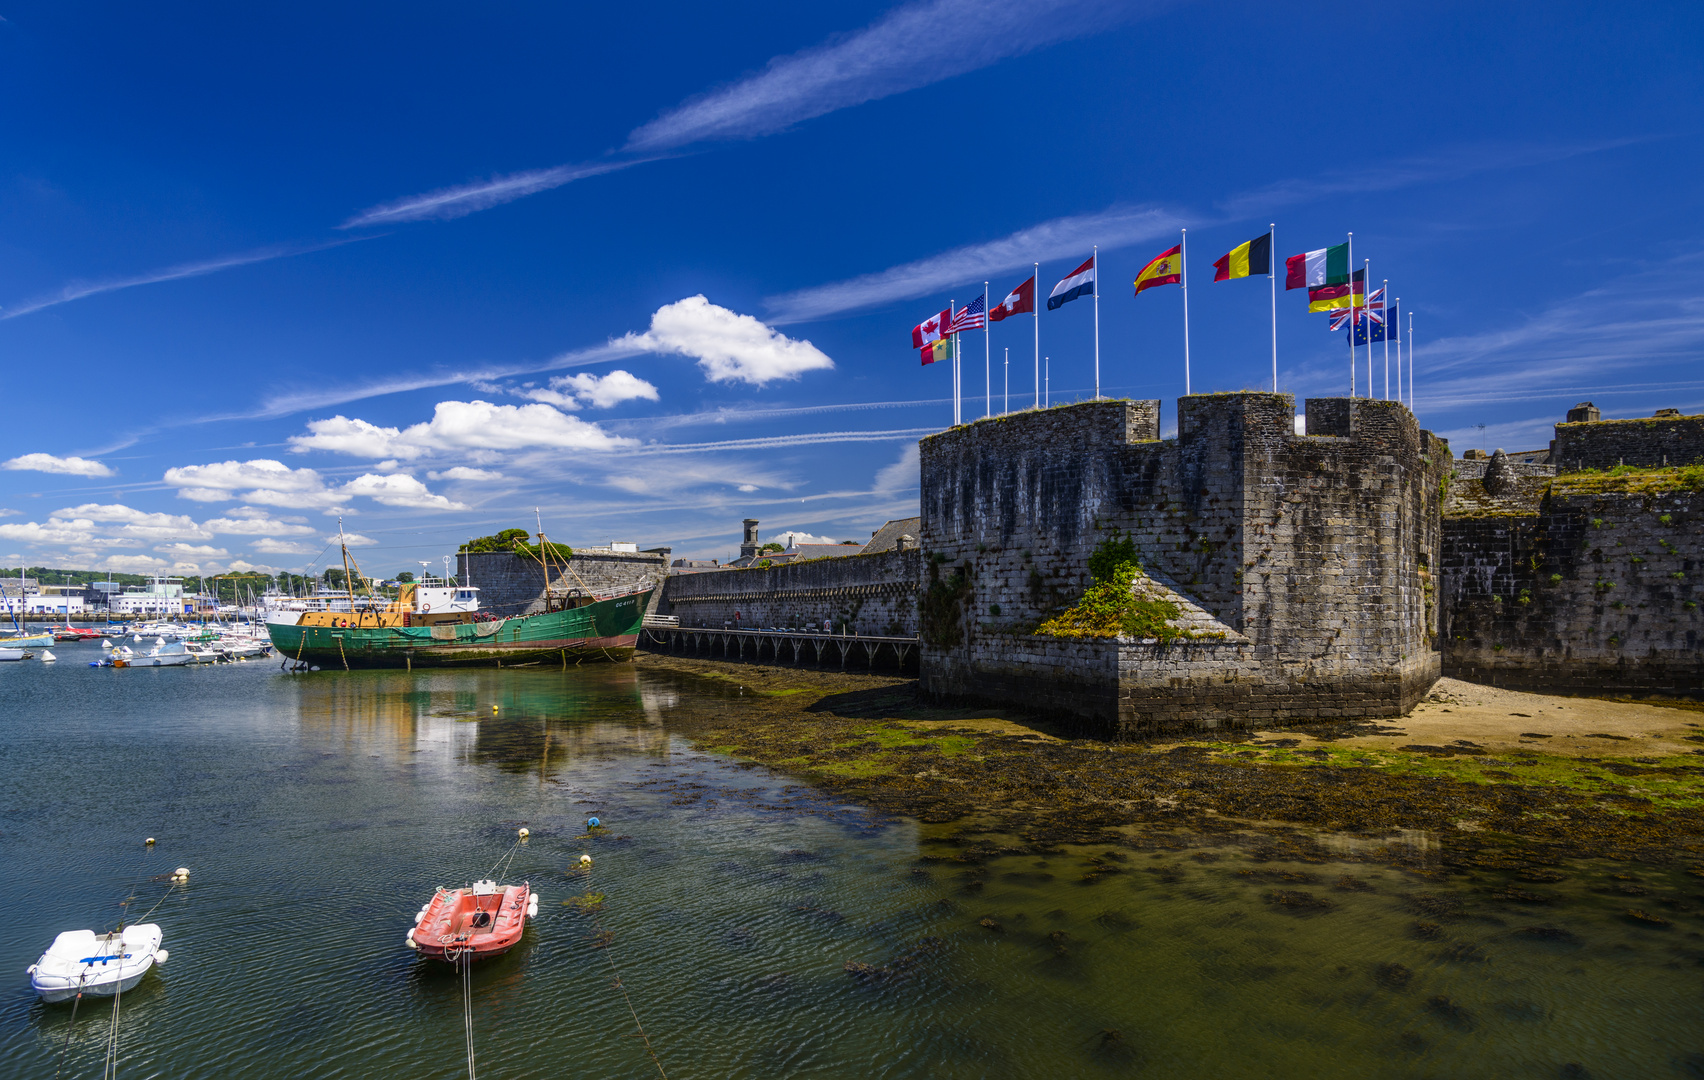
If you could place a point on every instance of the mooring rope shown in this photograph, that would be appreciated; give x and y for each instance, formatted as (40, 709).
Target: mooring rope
(466, 960)
(601, 940)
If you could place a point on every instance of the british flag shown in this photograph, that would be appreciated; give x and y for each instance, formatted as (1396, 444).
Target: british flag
(1372, 311)
(971, 317)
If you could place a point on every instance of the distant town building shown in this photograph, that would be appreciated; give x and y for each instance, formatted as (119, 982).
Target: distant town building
(162, 596)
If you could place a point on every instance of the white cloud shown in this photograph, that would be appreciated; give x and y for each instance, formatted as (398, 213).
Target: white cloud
(903, 474)
(269, 546)
(138, 523)
(877, 62)
(462, 472)
(1066, 239)
(54, 532)
(459, 426)
(600, 392)
(47, 463)
(238, 566)
(132, 564)
(788, 539)
(79, 289)
(730, 347)
(206, 550)
(229, 476)
(352, 539)
(329, 502)
(254, 521)
(399, 489)
(463, 199)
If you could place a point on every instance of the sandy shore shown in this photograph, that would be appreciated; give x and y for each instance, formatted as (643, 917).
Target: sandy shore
(1501, 721)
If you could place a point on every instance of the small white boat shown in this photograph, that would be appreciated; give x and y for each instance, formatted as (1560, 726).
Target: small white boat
(165, 654)
(9, 653)
(83, 962)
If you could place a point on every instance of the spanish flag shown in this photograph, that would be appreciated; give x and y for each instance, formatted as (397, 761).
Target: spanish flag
(940, 349)
(1166, 269)
(1339, 297)
(1252, 258)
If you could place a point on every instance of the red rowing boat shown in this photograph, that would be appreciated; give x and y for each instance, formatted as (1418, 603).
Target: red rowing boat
(473, 923)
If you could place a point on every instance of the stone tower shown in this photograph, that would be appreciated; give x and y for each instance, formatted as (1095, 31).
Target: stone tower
(749, 548)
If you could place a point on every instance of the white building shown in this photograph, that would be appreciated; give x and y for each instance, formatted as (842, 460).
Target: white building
(162, 596)
(56, 600)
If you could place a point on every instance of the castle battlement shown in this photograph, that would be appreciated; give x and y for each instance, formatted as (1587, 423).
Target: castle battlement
(1311, 548)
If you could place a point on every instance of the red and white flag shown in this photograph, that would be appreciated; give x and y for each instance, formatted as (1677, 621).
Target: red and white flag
(1020, 301)
(934, 328)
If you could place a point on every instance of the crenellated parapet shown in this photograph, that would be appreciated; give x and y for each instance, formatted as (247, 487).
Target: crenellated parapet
(1310, 551)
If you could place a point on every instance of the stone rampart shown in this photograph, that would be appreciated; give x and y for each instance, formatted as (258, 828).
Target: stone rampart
(867, 594)
(1651, 442)
(1595, 592)
(512, 584)
(1312, 547)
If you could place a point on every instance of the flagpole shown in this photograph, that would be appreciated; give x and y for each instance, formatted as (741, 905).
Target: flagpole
(1048, 380)
(1183, 279)
(1350, 266)
(1035, 311)
(1411, 363)
(951, 312)
(1386, 335)
(1006, 366)
(987, 371)
(1366, 279)
(1398, 307)
(1094, 256)
(1272, 277)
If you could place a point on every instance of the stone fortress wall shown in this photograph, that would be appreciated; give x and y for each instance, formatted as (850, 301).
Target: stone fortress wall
(1307, 556)
(860, 594)
(1584, 582)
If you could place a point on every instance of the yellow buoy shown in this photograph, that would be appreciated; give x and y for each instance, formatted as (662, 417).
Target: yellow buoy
(181, 873)
(149, 841)
(493, 708)
(523, 833)
(585, 860)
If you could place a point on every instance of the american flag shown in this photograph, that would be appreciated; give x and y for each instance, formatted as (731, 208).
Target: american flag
(973, 317)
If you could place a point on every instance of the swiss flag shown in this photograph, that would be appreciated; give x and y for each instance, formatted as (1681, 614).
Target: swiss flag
(930, 329)
(1020, 301)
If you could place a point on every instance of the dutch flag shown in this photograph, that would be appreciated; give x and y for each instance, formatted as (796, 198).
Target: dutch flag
(1081, 282)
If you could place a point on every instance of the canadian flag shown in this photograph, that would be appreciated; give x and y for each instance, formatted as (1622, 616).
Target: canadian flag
(931, 329)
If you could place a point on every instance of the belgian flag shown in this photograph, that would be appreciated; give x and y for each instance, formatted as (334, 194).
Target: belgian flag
(1246, 260)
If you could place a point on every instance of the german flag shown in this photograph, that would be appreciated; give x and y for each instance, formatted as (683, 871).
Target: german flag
(1338, 297)
(1246, 260)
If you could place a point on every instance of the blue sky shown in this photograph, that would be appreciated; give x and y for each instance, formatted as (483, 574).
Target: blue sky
(430, 267)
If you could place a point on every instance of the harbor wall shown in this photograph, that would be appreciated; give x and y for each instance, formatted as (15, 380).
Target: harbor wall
(1311, 551)
(511, 584)
(1594, 591)
(864, 594)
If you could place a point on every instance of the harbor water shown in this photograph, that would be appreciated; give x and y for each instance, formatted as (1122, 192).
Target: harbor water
(754, 925)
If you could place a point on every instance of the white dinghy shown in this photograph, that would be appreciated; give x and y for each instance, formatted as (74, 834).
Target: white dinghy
(83, 962)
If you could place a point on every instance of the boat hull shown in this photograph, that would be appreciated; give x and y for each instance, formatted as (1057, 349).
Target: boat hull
(607, 630)
(463, 925)
(80, 962)
(27, 641)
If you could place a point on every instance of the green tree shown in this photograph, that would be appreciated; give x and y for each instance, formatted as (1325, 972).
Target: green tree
(406, 577)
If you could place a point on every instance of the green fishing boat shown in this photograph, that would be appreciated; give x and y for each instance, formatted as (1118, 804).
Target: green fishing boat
(439, 623)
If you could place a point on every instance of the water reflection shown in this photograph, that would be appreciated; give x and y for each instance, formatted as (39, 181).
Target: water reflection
(762, 928)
